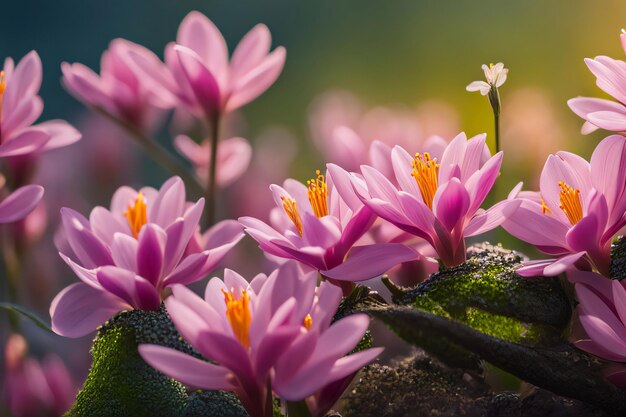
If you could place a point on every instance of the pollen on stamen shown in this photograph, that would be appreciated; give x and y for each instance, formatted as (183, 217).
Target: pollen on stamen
(570, 203)
(238, 315)
(544, 207)
(425, 172)
(291, 208)
(318, 194)
(136, 214)
(308, 322)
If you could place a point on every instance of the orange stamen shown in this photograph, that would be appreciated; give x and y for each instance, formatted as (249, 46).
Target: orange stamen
(137, 214)
(291, 208)
(308, 322)
(318, 194)
(425, 172)
(238, 315)
(570, 203)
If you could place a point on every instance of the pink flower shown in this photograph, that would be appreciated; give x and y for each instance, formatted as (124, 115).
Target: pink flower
(127, 256)
(34, 389)
(579, 208)
(20, 203)
(272, 333)
(602, 314)
(120, 89)
(21, 106)
(201, 74)
(600, 113)
(348, 136)
(436, 201)
(233, 157)
(317, 227)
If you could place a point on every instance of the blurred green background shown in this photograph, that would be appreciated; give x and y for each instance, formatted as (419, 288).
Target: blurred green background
(401, 51)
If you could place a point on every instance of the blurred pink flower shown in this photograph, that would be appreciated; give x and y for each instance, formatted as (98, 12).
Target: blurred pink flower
(577, 212)
(602, 314)
(201, 74)
(120, 89)
(436, 201)
(347, 135)
(314, 225)
(600, 113)
(21, 106)
(233, 157)
(272, 333)
(34, 389)
(128, 255)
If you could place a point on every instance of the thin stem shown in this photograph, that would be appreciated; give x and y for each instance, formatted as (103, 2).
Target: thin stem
(496, 118)
(12, 269)
(157, 152)
(211, 190)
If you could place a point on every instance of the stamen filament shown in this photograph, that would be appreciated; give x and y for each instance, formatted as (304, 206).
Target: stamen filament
(570, 203)
(137, 214)
(238, 315)
(318, 194)
(425, 172)
(291, 208)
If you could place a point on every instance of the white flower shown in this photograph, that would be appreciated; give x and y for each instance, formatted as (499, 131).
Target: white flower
(495, 75)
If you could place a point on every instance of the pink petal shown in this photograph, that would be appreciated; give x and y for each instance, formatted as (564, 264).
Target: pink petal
(88, 248)
(371, 261)
(562, 264)
(529, 224)
(199, 34)
(203, 83)
(24, 83)
(186, 369)
(61, 134)
(255, 82)
(451, 203)
(608, 120)
(250, 51)
(79, 309)
(20, 203)
(492, 218)
(27, 141)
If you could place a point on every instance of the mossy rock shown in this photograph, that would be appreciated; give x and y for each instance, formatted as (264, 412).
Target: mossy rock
(120, 383)
(486, 294)
(618, 259)
(422, 386)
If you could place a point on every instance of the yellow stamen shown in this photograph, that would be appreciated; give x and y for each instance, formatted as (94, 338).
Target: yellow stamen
(308, 322)
(570, 203)
(425, 172)
(318, 194)
(544, 207)
(291, 208)
(491, 66)
(238, 315)
(3, 86)
(136, 214)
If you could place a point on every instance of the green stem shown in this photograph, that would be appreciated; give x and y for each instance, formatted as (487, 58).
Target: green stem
(157, 152)
(211, 190)
(496, 118)
(297, 409)
(12, 269)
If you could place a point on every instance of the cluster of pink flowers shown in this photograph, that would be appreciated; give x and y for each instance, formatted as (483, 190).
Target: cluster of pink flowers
(402, 196)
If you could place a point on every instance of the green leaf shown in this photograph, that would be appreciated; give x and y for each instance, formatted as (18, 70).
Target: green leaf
(16, 308)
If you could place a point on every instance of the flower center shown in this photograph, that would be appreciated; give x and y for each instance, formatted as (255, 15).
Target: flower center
(308, 322)
(425, 171)
(238, 315)
(291, 208)
(136, 214)
(318, 194)
(570, 203)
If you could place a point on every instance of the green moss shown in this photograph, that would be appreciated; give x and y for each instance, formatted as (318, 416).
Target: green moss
(486, 294)
(120, 383)
(618, 258)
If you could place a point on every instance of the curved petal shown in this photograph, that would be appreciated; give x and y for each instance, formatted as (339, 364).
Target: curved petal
(20, 203)
(79, 309)
(186, 369)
